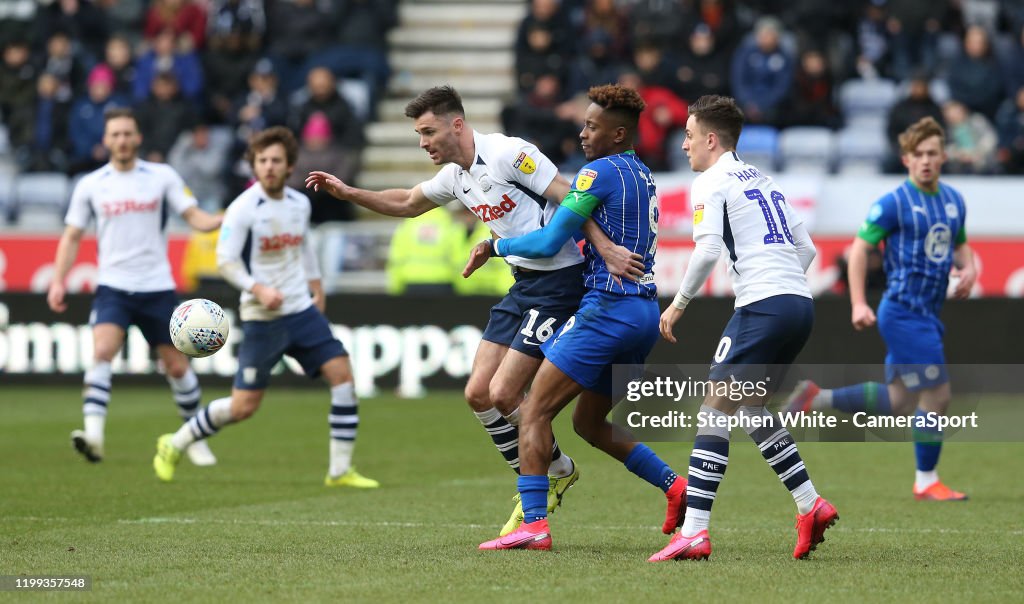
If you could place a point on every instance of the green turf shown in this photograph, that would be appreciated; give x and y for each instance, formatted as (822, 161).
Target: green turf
(260, 527)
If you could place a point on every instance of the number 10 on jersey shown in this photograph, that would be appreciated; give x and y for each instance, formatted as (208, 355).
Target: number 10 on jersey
(773, 236)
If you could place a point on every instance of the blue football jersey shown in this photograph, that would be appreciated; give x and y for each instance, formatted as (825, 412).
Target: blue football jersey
(921, 231)
(618, 192)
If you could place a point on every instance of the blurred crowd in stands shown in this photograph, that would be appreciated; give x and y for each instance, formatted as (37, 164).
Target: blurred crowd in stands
(202, 75)
(839, 77)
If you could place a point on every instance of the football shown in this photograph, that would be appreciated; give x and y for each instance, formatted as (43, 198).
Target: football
(199, 327)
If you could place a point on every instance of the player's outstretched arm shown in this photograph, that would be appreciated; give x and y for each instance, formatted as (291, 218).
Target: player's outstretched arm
(403, 203)
(202, 220)
(544, 242)
(857, 272)
(965, 270)
(67, 251)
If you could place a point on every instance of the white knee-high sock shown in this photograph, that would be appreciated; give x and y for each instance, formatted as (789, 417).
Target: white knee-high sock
(204, 424)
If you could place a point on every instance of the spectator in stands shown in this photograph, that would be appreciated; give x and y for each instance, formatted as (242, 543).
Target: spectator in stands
(538, 58)
(605, 16)
(166, 56)
(163, 117)
(703, 66)
(46, 147)
(720, 17)
(918, 104)
(61, 61)
(972, 141)
(185, 18)
(827, 26)
(85, 127)
(596, 66)
(914, 27)
(662, 23)
(85, 24)
(975, 78)
(654, 67)
(983, 13)
(762, 73)
(235, 37)
(873, 44)
(1013, 63)
(17, 84)
(124, 17)
(262, 106)
(118, 57)
(811, 101)
(318, 153)
(665, 113)
(200, 159)
(16, 18)
(296, 30)
(321, 96)
(360, 48)
(420, 257)
(1010, 124)
(550, 16)
(539, 117)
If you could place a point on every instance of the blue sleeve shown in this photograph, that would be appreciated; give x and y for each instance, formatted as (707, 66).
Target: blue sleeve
(544, 242)
(885, 213)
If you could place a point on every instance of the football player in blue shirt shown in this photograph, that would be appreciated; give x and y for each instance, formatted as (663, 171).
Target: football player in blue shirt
(617, 322)
(922, 224)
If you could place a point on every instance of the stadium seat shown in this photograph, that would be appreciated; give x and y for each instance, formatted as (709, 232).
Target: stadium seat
(860, 96)
(759, 145)
(807, 149)
(5, 141)
(7, 176)
(861, 150)
(40, 199)
(355, 92)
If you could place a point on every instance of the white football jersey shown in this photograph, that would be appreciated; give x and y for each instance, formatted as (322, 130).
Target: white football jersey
(131, 210)
(505, 189)
(735, 200)
(271, 237)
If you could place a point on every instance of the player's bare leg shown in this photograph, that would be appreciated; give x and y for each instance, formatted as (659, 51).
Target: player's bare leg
(107, 339)
(344, 423)
(187, 395)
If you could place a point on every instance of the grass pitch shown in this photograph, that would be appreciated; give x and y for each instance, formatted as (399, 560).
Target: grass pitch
(260, 526)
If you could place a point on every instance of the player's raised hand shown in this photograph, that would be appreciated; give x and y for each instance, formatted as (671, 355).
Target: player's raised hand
(967, 276)
(270, 297)
(623, 263)
(669, 318)
(479, 256)
(862, 316)
(328, 183)
(55, 297)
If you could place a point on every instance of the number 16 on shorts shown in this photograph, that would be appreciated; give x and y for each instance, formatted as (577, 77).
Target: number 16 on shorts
(535, 334)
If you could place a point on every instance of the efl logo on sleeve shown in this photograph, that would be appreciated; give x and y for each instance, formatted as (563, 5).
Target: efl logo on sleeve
(524, 163)
(698, 213)
(585, 179)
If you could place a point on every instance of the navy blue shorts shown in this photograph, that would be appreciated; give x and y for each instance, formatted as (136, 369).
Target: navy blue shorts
(608, 329)
(914, 346)
(533, 310)
(149, 311)
(305, 336)
(762, 339)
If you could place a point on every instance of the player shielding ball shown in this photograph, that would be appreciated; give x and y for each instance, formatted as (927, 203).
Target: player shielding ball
(513, 189)
(616, 323)
(739, 209)
(130, 200)
(264, 250)
(922, 223)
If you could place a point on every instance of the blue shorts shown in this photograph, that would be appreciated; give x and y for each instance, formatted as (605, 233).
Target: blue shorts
(762, 339)
(536, 306)
(149, 311)
(608, 329)
(914, 346)
(305, 336)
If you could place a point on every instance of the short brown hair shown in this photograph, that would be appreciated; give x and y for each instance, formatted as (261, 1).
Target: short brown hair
(721, 115)
(118, 112)
(626, 102)
(920, 131)
(278, 135)
(439, 100)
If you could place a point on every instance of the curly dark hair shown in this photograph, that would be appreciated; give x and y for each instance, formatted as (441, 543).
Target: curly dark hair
(624, 102)
(721, 115)
(278, 135)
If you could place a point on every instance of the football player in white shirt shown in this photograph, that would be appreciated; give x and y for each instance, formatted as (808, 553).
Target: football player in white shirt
(514, 190)
(738, 208)
(130, 200)
(264, 250)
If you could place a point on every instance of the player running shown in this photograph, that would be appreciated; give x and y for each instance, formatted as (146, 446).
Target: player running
(513, 189)
(922, 223)
(279, 316)
(740, 209)
(130, 200)
(616, 322)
